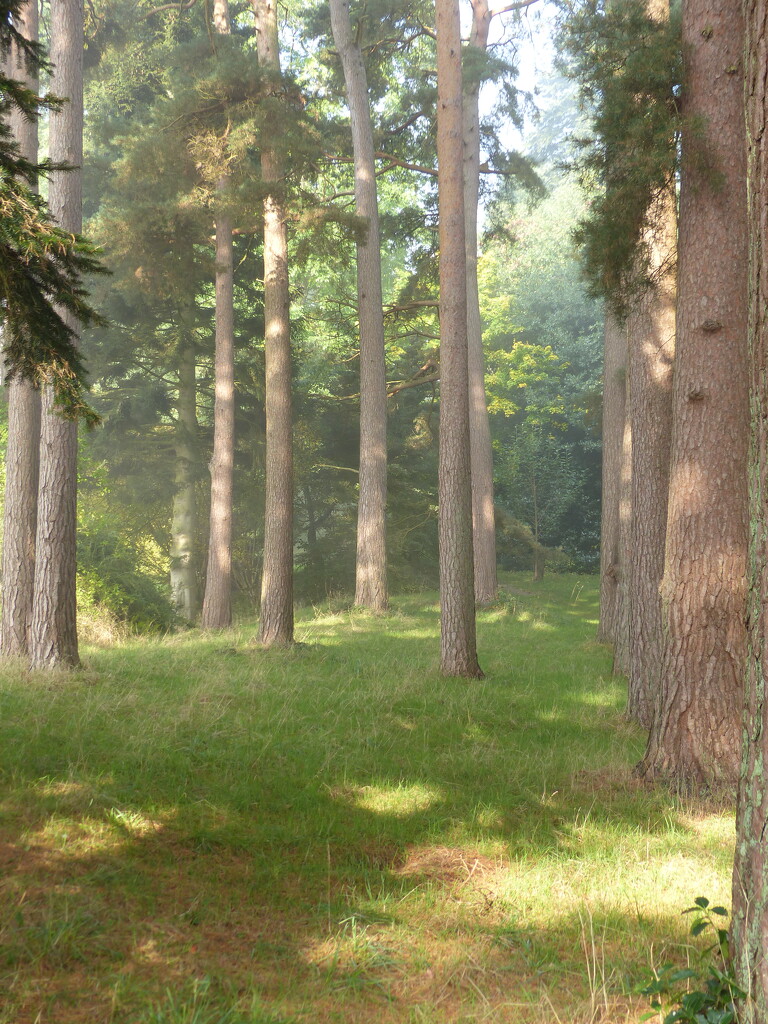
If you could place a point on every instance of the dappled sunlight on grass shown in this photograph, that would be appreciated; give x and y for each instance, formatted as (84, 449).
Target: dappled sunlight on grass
(336, 833)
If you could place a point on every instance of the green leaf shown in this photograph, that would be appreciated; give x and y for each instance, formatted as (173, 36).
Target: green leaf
(701, 901)
(699, 927)
(720, 911)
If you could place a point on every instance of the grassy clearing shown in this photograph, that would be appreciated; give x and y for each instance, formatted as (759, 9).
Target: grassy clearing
(197, 831)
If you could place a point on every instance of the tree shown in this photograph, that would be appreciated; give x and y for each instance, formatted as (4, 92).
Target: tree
(614, 420)
(750, 872)
(22, 460)
(217, 603)
(457, 602)
(694, 739)
(53, 631)
(276, 622)
(371, 564)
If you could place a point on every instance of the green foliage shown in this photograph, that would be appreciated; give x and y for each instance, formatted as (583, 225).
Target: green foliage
(629, 66)
(713, 1003)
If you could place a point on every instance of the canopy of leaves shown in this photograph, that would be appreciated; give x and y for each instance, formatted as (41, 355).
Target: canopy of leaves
(629, 66)
(42, 294)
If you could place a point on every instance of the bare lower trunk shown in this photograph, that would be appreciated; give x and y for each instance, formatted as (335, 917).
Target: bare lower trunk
(481, 453)
(371, 571)
(614, 402)
(217, 604)
(53, 631)
(623, 608)
(651, 362)
(749, 939)
(184, 523)
(696, 733)
(276, 622)
(457, 598)
(22, 460)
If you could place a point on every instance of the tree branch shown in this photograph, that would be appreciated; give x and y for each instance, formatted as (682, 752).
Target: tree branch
(183, 6)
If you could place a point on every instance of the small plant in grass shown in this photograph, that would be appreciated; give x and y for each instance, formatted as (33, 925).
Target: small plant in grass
(673, 998)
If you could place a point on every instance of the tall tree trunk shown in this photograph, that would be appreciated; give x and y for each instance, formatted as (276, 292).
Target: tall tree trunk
(371, 570)
(749, 939)
(276, 623)
(22, 460)
(614, 405)
(623, 610)
(651, 361)
(53, 631)
(217, 603)
(457, 597)
(481, 453)
(695, 736)
(184, 593)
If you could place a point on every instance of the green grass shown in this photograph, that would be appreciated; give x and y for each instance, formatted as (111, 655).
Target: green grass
(197, 831)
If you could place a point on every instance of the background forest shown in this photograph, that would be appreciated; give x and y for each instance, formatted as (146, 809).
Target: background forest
(160, 91)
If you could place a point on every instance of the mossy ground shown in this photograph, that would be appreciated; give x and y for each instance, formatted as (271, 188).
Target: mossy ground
(197, 831)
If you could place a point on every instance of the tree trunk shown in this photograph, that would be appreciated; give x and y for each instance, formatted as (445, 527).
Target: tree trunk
(22, 460)
(457, 597)
(276, 623)
(371, 570)
(481, 452)
(749, 939)
(184, 524)
(614, 403)
(695, 736)
(623, 609)
(53, 631)
(651, 361)
(217, 603)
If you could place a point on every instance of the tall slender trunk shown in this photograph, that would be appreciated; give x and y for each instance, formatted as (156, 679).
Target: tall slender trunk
(481, 453)
(371, 567)
(276, 623)
(614, 405)
(696, 732)
(457, 597)
(217, 603)
(184, 593)
(750, 871)
(22, 460)
(53, 630)
(623, 610)
(650, 372)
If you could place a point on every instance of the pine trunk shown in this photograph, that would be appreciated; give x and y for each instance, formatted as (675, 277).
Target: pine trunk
(651, 361)
(184, 523)
(276, 623)
(22, 459)
(625, 571)
(371, 570)
(749, 939)
(53, 631)
(457, 597)
(481, 452)
(217, 603)
(695, 736)
(614, 402)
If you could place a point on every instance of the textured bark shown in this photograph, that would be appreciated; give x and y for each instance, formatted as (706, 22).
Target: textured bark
(53, 630)
(217, 603)
(184, 593)
(695, 736)
(614, 401)
(22, 458)
(276, 623)
(651, 361)
(749, 939)
(457, 598)
(481, 452)
(371, 568)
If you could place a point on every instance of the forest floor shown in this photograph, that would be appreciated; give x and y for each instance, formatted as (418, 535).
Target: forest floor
(197, 831)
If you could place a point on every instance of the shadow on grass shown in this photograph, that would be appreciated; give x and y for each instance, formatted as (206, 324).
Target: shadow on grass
(333, 832)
